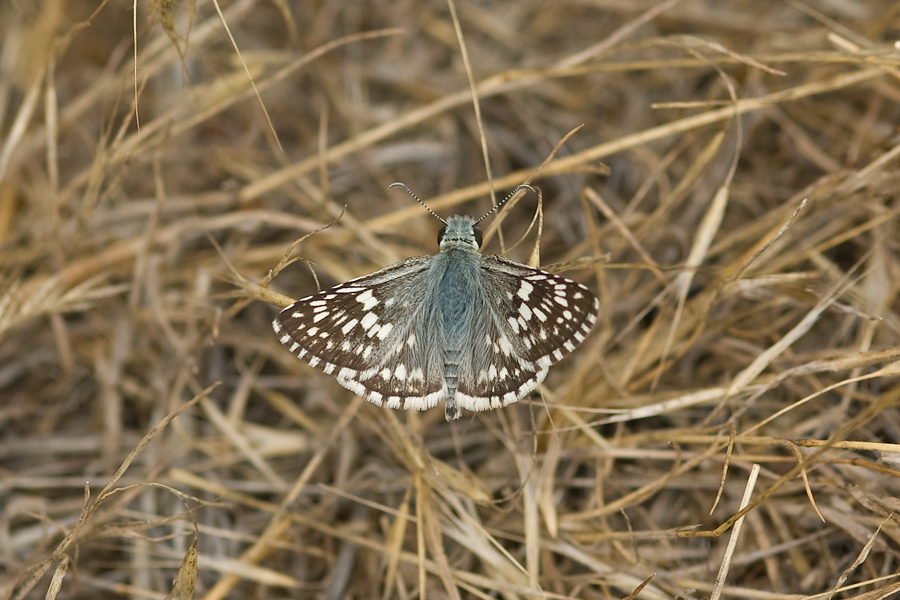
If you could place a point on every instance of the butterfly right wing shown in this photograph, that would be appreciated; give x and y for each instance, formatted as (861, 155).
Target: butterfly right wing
(530, 319)
(370, 333)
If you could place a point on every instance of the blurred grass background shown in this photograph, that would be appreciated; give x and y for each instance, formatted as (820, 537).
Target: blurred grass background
(739, 324)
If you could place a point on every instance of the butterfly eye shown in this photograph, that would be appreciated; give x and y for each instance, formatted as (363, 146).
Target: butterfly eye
(441, 234)
(479, 236)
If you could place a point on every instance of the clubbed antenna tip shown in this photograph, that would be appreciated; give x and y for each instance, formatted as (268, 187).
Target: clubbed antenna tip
(518, 188)
(403, 186)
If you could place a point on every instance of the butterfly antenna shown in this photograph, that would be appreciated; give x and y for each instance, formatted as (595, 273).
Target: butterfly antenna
(524, 186)
(416, 198)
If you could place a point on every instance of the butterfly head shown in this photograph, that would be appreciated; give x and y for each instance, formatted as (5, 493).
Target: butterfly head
(460, 232)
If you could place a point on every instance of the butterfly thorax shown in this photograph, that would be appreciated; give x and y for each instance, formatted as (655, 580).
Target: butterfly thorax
(457, 270)
(460, 283)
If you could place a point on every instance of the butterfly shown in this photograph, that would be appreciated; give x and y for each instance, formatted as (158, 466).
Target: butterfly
(474, 331)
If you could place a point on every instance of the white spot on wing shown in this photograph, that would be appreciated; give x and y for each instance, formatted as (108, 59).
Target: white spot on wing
(514, 324)
(354, 386)
(367, 299)
(525, 289)
(525, 311)
(385, 330)
(368, 320)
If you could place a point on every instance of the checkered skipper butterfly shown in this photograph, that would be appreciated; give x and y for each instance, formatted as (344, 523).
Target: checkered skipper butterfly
(477, 332)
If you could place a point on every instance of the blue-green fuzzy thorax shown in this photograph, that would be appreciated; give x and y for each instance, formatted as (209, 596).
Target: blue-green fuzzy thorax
(459, 267)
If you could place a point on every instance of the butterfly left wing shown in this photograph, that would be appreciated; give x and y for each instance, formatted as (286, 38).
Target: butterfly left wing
(364, 333)
(530, 320)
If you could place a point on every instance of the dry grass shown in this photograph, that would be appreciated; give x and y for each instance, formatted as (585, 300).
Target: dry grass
(150, 418)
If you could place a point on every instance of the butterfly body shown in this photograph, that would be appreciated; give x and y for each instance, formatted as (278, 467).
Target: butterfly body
(475, 331)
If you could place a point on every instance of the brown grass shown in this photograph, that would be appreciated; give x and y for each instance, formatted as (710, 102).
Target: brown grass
(729, 429)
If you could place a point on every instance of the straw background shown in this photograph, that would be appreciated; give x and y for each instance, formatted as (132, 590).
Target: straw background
(731, 195)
